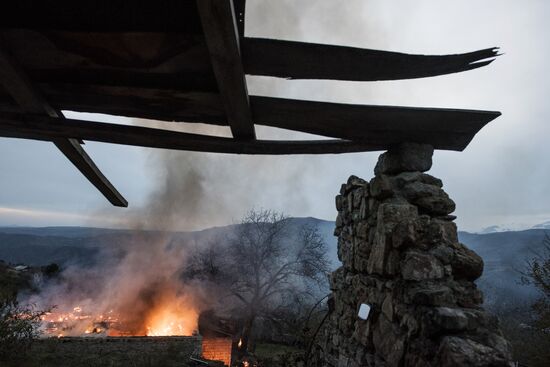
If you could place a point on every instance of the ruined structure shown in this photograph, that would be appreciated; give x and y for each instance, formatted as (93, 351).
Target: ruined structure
(401, 256)
(187, 61)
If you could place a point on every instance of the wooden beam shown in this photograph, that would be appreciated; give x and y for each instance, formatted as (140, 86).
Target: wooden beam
(182, 61)
(31, 101)
(298, 60)
(240, 10)
(448, 129)
(106, 16)
(46, 128)
(443, 128)
(150, 60)
(220, 29)
(149, 103)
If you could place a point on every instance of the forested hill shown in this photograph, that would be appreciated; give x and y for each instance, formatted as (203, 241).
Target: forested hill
(504, 253)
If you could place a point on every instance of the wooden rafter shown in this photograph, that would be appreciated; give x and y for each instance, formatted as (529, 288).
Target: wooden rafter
(31, 101)
(240, 8)
(182, 61)
(46, 128)
(299, 60)
(220, 29)
(370, 136)
(105, 16)
(443, 128)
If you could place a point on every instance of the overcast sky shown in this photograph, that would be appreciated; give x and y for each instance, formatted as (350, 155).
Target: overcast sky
(503, 177)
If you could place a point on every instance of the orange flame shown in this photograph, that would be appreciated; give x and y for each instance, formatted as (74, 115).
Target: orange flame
(172, 319)
(170, 316)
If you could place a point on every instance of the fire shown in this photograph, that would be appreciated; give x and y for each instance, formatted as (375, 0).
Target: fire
(172, 319)
(240, 343)
(169, 317)
(131, 298)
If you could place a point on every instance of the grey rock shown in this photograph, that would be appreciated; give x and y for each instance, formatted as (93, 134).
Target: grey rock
(461, 352)
(405, 233)
(466, 293)
(403, 178)
(389, 342)
(447, 318)
(416, 190)
(436, 205)
(421, 266)
(391, 214)
(431, 180)
(438, 231)
(354, 182)
(362, 230)
(405, 157)
(377, 258)
(381, 187)
(343, 189)
(466, 263)
(339, 200)
(387, 307)
(392, 262)
(429, 294)
(443, 253)
(339, 220)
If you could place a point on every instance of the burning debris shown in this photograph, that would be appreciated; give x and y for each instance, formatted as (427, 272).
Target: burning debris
(78, 322)
(127, 297)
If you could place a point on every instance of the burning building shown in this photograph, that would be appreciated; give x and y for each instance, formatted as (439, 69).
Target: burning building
(218, 338)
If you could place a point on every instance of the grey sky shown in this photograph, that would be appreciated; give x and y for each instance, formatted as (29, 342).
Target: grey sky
(501, 178)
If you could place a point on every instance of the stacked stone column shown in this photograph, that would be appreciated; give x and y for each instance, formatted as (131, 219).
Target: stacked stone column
(401, 256)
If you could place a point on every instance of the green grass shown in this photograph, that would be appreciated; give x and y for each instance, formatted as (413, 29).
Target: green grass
(98, 353)
(271, 350)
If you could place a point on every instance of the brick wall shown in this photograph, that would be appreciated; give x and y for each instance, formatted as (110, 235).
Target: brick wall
(217, 349)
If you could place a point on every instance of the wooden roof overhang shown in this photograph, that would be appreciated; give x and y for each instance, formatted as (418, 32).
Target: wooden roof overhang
(186, 61)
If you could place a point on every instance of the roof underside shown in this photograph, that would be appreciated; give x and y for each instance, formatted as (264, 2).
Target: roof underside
(185, 61)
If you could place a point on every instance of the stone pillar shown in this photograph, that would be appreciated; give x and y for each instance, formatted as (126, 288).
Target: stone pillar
(401, 257)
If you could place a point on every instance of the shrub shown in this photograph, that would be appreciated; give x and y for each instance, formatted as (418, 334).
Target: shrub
(19, 326)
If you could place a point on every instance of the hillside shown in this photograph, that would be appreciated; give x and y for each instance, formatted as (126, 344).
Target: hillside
(504, 253)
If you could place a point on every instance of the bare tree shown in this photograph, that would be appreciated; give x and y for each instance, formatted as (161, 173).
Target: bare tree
(538, 268)
(265, 264)
(537, 273)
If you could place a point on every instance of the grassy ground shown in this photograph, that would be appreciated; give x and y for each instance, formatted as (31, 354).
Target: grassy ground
(99, 353)
(270, 350)
(65, 352)
(275, 355)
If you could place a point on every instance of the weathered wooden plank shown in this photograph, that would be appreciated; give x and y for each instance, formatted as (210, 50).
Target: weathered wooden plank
(240, 10)
(220, 29)
(47, 128)
(298, 60)
(444, 128)
(448, 129)
(105, 16)
(182, 61)
(151, 52)
(31, 101)
(181, 82)
(149, 103)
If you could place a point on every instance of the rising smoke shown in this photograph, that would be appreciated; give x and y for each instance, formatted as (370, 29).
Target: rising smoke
(139, 279)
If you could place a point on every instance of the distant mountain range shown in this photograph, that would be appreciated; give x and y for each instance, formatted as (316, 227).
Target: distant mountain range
(513, 228)
(504, 252)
